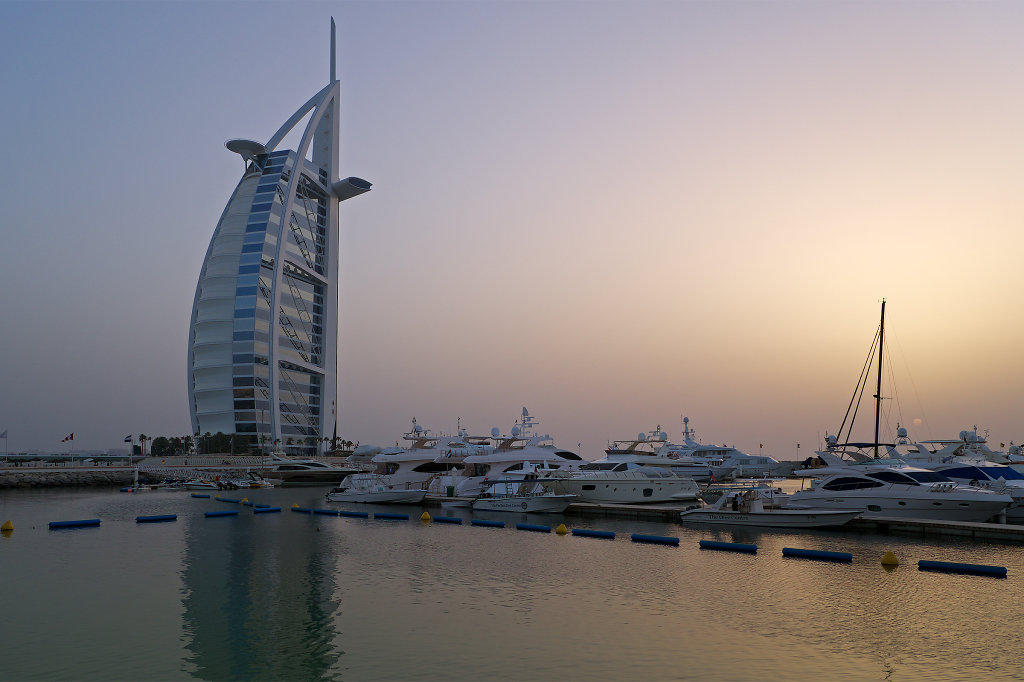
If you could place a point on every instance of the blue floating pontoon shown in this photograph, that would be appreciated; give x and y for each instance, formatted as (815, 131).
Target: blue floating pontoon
(488, 524)
(728, 546)
(302, 510)
(534, 527)
(587, 533)
(354, 514)
(392, 517)
(156, 519)
(233, 512)
(447, 519)
(326, 512)
(74, 524)
(817, 554)
(953, 567)
(654, 539)
(265, 510)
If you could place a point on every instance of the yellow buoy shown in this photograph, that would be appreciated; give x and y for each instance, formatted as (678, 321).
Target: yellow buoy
(7, 526)
(425, 517)
(561, 530)
(244, 499)
(889, 559)
(295, 504)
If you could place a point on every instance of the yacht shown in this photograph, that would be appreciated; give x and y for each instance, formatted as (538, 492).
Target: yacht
(503, 455)
(964, 461)
(424, 459)
(882, 488)
(524, 491)
(723, 461)
(624, 483)
(653, 449)
(295, 472)
(374, 489)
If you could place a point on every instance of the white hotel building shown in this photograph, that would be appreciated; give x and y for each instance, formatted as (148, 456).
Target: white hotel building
(262, 349)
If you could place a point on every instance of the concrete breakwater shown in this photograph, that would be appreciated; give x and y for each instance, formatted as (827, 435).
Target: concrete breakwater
(60, 478)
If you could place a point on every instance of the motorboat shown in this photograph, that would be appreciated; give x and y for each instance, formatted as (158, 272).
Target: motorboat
(879, 488)
(653, 449)
(755, 507)
(426, 457)
(505, 455)
(295, 472)
(965, 460)
(723, 461)
(624, 483)
(375, 489)
(525, 492)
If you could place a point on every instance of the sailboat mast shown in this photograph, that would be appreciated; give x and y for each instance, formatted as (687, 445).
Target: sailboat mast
(878, 388)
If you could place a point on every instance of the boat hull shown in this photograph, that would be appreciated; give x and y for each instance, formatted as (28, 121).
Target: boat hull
(540, 504)
(378, 496)
(629, 490)
(778, 518)
(939, 507)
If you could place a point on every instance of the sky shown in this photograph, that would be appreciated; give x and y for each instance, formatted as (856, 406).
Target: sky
(614, 214)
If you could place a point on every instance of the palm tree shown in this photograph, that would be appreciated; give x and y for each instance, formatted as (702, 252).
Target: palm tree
(142, 444)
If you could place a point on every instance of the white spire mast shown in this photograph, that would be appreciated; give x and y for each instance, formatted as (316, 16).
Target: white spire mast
(333, 59)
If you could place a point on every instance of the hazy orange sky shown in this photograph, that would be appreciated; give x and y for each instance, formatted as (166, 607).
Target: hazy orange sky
(612, 213)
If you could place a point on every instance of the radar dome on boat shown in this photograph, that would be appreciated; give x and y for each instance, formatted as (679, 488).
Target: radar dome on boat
(901, 432)
(418, 428)
(663, 436)
(495, 432)
(641, 436)
(831, 440)
(686, 420)
(515, 430)
(963, 435)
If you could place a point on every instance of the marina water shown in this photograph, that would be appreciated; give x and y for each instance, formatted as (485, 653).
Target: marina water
(292, 596)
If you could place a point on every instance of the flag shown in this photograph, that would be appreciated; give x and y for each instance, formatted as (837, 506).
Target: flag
(4, 434)
(71, 436)
(127, 439)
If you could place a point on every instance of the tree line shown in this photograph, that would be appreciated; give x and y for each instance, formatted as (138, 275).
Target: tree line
(228, 443)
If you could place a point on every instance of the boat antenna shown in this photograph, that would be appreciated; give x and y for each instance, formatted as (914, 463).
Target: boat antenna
(878, 388)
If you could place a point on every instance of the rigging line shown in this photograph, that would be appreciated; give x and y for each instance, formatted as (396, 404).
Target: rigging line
(917, 395)
(863, 386)
(895, 393)
(862, 379)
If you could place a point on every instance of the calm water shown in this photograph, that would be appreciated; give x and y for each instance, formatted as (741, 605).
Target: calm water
(292, 597)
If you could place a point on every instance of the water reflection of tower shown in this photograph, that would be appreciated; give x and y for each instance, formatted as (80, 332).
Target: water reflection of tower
(260, 599)
(262, 357)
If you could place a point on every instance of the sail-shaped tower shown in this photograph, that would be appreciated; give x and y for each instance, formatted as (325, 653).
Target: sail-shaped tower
(262, 349)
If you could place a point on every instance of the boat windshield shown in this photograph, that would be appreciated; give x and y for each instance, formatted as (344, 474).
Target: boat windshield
(980, 473)
(928, 477)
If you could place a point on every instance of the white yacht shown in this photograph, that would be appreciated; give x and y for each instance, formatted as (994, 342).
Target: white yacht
(653, 449)
(425, 458)
(964, 461)
(624, 483)
(506, 454)
(882, 488)
(294, 472)
(525, 491)
(756, 507)
(723, 460)
(374, 489)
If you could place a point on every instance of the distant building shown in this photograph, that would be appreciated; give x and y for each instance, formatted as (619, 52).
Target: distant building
(262, 348)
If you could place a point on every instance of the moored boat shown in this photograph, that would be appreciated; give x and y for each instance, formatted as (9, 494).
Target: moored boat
(748, 508)
(374, 489)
